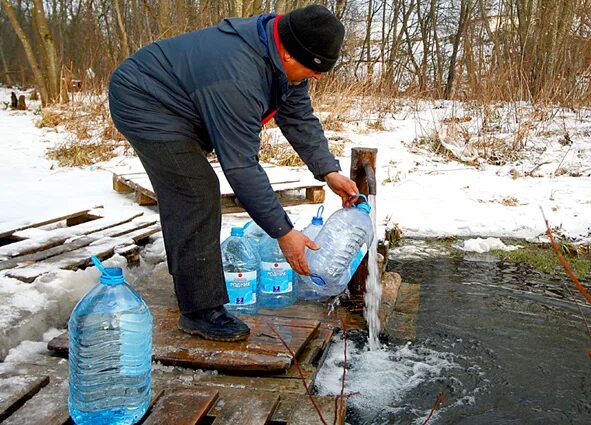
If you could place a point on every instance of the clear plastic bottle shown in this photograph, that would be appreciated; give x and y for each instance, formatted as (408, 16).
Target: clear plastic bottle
(276, 288)
(110, 356)
(305, 287)
(344, 240)
(240, 260)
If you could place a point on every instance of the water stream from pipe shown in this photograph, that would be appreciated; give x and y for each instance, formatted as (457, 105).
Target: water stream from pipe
(373, 289)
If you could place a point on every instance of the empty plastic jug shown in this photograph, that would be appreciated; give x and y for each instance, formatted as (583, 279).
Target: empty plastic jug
(344, 240)
(240, 260)
(110, 356)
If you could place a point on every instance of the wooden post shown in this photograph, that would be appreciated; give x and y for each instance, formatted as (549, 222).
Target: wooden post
(359, 158)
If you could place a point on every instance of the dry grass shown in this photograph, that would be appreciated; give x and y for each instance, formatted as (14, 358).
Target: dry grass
(79, 154)
(93, 136)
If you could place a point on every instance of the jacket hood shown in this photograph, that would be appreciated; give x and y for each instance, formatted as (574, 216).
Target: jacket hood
(251, 30)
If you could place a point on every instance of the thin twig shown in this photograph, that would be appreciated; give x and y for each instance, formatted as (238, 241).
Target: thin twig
(297, 365)
(342, 396)
(439, 399)
(565, 263)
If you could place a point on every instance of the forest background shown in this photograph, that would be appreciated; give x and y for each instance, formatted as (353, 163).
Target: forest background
(537, 51)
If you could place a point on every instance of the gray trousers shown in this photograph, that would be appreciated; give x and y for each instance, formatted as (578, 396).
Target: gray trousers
(188, 192)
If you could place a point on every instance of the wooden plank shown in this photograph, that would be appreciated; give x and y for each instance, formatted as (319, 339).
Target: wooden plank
(181, 406)
(59, 236)
(148, 228)
(299, 410)
(16, 390)
(6, 229)
(246, 408)
(103, 248)
(48, 407)
(262, 351)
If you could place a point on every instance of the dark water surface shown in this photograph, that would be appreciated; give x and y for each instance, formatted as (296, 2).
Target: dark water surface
(506, 344)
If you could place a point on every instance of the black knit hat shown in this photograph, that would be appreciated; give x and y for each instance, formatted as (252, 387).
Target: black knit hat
(313, 36)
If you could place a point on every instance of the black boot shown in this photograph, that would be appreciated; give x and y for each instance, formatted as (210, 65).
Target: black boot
(215, 324)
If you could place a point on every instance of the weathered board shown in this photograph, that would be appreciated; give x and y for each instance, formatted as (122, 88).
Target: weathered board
(43, 399)
(263, 351)
(32, 251)
(292, 186)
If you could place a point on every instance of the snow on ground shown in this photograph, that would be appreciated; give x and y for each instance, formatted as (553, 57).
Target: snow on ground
(423, 193)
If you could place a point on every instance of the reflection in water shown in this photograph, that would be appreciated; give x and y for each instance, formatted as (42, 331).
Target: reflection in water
(506, 344)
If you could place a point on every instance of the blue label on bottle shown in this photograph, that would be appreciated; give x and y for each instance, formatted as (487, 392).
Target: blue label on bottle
(276, 278)
(357, 260)
(242, 287)
(317, 280)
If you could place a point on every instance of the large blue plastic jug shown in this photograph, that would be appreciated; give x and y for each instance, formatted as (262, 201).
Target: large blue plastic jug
(344, 240)
(110, 356)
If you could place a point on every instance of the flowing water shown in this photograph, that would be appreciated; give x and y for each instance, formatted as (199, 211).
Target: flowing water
(505, 344)
(373, 289)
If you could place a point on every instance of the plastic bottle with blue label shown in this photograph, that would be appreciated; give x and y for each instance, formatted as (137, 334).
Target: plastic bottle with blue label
(240, 261)
(110, 353)
(306, 289)
(276, 287)
(344, 240)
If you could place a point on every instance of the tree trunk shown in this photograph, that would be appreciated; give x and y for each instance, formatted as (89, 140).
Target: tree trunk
(465, 8)
(53, 67)
(121, 25)
(37, 73)
(7, 77)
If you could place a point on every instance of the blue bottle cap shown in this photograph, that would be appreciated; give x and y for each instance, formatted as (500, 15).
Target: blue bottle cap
(112, 276)
(237, 231)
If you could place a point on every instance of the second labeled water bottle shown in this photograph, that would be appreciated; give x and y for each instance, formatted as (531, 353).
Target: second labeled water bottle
(240, 260)
(344, 241)
(276, 288)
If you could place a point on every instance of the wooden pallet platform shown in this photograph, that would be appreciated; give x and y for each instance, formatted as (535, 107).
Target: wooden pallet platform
(39, 395)
(68, 240)
(291, 186)
(263, 351)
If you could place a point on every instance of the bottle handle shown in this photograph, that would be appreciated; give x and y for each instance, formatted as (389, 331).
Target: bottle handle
(99, 265)
(320, 211)
(361, 195)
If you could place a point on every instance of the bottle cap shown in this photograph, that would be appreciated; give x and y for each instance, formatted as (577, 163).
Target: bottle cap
(317, 219)
(237, 231)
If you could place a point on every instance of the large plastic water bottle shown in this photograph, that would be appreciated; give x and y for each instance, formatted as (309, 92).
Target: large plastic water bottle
(240, 260)
(276, 288)
(305, 287)
(110, 357)
(344, 240)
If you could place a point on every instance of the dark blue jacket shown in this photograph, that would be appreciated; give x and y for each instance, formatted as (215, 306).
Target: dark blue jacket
(215, 86)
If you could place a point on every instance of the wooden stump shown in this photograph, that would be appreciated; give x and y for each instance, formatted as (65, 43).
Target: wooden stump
(21, 105)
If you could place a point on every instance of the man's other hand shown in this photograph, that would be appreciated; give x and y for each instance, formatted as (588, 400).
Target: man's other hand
(343, 187)
(293, 244)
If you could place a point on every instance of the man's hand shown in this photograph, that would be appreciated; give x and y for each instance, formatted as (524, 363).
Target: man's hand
(293, 245)
(343, 187)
